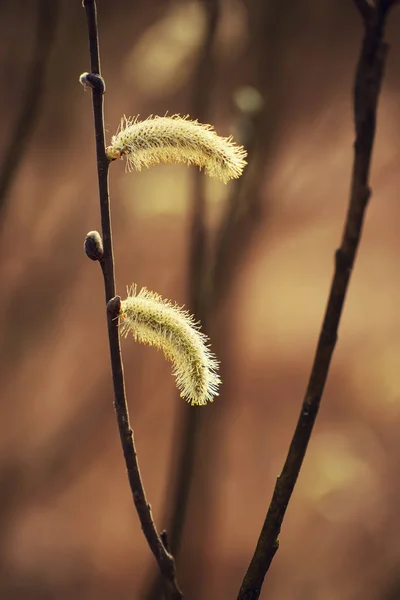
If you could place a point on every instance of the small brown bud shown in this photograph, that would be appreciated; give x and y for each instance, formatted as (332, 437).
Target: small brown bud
(114, 307)
(96, 82)
(94, 245)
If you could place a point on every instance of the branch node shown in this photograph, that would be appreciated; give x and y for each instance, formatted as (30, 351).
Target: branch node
(164, 539)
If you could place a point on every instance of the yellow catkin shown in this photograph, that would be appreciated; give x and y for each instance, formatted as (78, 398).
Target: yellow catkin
(157, 322)
(177, 139)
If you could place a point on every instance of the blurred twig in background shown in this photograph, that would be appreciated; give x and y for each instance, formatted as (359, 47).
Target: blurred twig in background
(367, 87)
(189, 418)
(213, 267)
(243, 213)
(244, 210)
(21, 133)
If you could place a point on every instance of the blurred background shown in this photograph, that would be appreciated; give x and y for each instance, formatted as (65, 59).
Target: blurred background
(252, 259)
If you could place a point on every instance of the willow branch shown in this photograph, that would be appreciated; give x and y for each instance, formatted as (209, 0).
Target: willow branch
(366, 91)
(104, 253)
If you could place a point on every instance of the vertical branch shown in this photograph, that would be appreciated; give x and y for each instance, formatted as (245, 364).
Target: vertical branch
(366, 92)
(102, 250)
(29, 112)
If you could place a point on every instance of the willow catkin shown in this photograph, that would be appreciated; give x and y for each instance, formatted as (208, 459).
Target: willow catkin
(157, 322)
(177, 139)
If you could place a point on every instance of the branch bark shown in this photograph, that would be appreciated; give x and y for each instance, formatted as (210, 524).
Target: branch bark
(163, 557)
(367, 87)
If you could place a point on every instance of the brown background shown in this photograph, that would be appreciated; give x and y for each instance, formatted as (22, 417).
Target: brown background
(67, 524)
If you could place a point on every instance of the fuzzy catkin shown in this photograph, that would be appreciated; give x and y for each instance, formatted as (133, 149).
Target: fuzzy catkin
(177, 139)
(157, 322)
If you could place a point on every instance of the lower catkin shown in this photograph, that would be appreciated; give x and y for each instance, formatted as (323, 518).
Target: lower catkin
(157, 322)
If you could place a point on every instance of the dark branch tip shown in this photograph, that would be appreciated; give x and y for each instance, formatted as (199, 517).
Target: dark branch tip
(93, 245)
(386, 5)
(91, 80)
(371, 10)
(164, 539)
(366, 9)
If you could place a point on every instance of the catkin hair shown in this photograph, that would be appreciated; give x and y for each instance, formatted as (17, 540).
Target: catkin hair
(157, 322)
(177, 139)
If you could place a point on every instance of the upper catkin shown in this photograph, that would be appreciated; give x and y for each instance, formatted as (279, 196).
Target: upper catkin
(157, 322)
(176, 139)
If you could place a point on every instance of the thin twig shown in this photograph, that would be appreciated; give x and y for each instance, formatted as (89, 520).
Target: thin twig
(27, 118)
(366, 91)
(164, 559)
